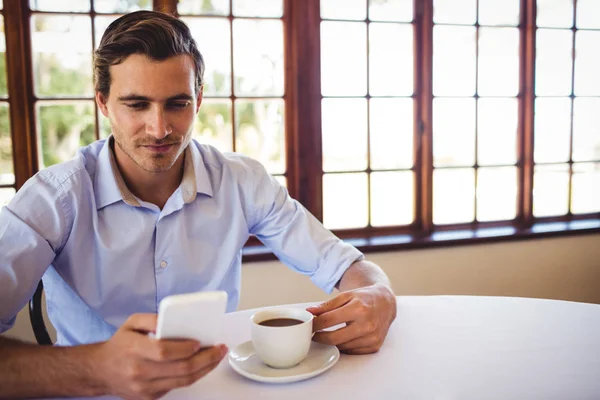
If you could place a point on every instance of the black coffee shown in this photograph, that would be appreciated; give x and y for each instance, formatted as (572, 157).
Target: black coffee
(281, 322)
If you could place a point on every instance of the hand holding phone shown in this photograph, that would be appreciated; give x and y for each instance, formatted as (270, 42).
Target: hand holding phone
(132, 365)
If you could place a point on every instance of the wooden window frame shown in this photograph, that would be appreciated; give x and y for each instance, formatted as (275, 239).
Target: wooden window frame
(304, 170)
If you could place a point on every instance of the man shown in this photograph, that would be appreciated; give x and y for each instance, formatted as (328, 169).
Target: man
(149, 213)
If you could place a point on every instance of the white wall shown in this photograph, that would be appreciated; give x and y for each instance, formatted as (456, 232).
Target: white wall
(558, 268)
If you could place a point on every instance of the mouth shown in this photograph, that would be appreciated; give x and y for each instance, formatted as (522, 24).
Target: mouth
(160, 148)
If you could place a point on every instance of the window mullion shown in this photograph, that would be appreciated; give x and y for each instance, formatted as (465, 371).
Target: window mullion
(527, 110)
(168, 6)
(424, 114)
(303, 103)
(20, 89)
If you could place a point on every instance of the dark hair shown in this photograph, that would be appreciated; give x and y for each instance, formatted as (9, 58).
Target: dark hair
(154, 34)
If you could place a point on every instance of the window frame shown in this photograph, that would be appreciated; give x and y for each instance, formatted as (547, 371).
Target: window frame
(304, 172)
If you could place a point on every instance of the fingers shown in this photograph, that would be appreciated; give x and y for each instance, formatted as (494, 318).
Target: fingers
(136, 328)
(332, 304)
(350, 332)
(184, 367)
(369, 341)
(169, 349)
(165, 385)
(332, 318)
(141, 323)
(362, 350)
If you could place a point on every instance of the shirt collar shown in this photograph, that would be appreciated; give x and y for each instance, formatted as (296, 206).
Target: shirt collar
(111, 188)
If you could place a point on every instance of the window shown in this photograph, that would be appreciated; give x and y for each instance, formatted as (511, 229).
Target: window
(65, 111)
(395, 122)
(7, 176)
(367, 85)
(243, 107)
(567, 123)
(475, 110)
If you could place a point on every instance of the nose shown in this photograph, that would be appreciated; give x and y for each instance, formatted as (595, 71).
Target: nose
(157, 124)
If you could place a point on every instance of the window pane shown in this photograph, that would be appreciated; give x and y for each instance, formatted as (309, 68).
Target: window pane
(281, 179)
(345, 199)
(344, 139)
(213, 124)
(496, 194)
(390, 59)
(1, 5)
(586, 188)
(453, 196)
(258, 8)
(455, 11)
(391, 10)
(587, 63)
(63, 128)
(260, 132)
(341, 42)
(586, 129)
(120, 6)
(453, 132)
(3, 85)
(203, 7)
(391, 123)
(554, 61)
(214, 42)
(550, 190)
(61, 70)
(497, 129)
(588, 14)
(498, 62)
(100, 25)
(454, 61)
(552, 130)
(258, 57)
(61, 5)
(495, 12)
(6, 195)
(344, 9)
(7, 175)
(555, 13)
(392, 195)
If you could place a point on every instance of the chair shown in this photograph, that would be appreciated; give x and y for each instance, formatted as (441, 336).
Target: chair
(36, 317)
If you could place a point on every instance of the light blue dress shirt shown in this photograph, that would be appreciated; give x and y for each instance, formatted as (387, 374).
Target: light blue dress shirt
(105, 254)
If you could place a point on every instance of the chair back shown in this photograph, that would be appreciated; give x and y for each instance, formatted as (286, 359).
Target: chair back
(36, 317)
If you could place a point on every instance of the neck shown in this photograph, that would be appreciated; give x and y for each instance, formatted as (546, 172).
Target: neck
(152, 187)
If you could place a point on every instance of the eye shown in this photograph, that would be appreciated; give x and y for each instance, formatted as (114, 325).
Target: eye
(179, 105)
(137, 106)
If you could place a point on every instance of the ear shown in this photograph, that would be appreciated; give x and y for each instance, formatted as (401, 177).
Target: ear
(101, 101)
(199, 98)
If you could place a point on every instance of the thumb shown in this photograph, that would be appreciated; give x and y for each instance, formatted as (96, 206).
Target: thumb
(331, 304)
(141, 323)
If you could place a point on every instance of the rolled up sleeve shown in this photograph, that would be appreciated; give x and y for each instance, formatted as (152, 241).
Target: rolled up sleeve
(296, 237)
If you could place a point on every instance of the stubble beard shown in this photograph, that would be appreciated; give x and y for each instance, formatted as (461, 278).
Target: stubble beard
(154, 163)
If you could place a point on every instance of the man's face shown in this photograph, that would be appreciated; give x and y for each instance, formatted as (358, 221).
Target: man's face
(151, 107)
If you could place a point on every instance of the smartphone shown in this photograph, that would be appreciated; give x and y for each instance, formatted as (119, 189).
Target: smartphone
(195, 316)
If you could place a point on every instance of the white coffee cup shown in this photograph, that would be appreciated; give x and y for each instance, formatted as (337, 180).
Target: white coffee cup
(282, 346)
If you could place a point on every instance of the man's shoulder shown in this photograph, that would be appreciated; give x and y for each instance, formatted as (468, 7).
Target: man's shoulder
(235, 163)
(76, 171)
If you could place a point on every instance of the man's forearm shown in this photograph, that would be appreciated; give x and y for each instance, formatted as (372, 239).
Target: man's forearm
(361, 274)
(28, 370)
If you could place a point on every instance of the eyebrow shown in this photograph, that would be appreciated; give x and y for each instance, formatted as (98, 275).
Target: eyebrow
(137, 97)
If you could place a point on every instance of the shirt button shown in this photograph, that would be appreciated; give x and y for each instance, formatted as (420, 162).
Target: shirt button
(163, 264)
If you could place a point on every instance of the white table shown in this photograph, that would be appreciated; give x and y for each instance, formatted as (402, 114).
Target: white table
(446, 347)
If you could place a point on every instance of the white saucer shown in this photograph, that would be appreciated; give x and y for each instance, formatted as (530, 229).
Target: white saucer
(320, 358)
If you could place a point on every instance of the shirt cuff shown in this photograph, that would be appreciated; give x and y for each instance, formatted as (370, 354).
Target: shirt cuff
(6, 325)
(335, 264)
